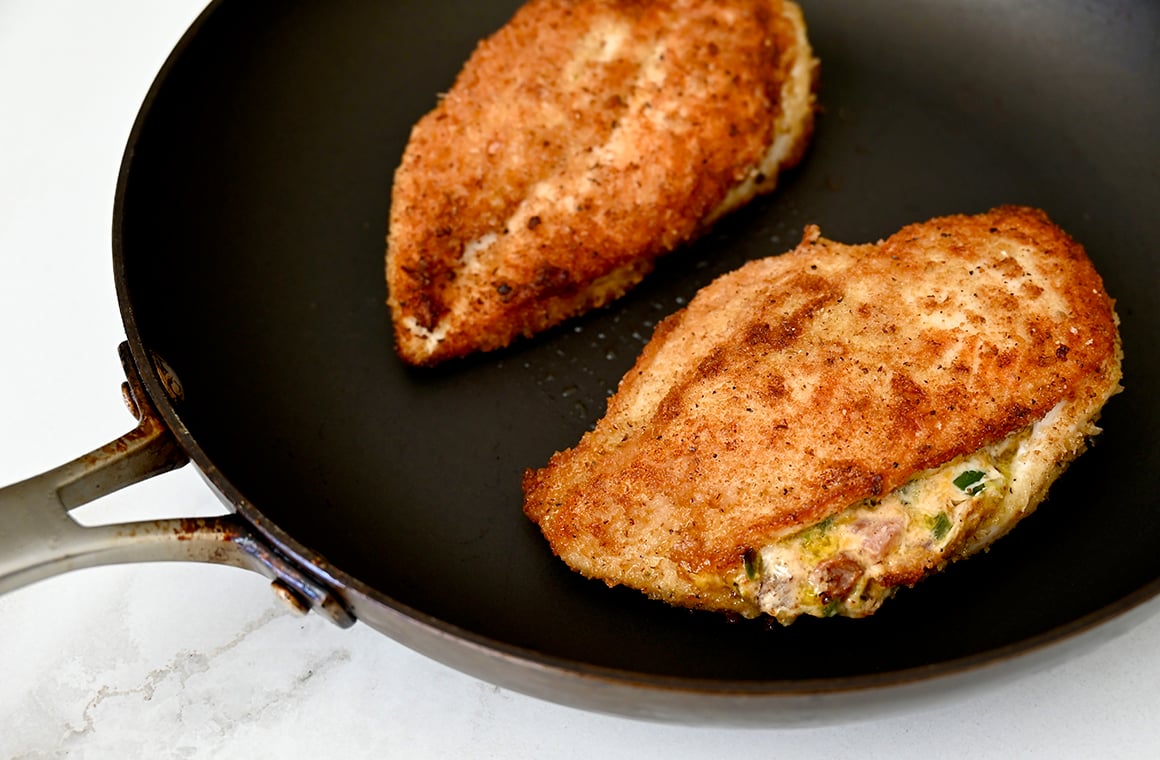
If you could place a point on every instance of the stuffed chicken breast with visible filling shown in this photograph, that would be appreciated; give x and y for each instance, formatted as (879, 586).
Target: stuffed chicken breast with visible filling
(816, 429)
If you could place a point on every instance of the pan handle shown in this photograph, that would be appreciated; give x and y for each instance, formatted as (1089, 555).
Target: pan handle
(39, 539)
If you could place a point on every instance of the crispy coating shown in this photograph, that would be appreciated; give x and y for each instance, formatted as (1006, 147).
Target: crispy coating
(802, 384)
(579, 142)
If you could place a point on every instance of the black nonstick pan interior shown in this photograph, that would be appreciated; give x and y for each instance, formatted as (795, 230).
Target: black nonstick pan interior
(250, 231)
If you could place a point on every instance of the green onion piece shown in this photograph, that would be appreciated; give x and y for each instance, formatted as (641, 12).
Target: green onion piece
(970, 481)
(818, 530)
(752, 562)
(940, 526)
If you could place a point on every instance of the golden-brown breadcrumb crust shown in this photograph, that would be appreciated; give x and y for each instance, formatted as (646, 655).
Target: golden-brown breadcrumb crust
(801, 384)
(589, 137)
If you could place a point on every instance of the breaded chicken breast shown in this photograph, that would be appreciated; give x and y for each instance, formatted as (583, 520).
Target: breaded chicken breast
(581, 141)
(817, 429)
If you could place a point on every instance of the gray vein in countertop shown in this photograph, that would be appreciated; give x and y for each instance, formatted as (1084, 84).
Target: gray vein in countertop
(191, 705)
(182, 666)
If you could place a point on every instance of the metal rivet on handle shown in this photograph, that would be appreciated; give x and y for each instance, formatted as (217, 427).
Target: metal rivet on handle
(290, 597)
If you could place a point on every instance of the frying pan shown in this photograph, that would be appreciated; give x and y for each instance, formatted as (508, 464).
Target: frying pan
(248, 244)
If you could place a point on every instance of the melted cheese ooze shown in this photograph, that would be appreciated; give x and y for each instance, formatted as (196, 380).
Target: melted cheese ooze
(850, 563)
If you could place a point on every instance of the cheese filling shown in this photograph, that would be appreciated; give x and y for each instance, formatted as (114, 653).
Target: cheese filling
(850, 563)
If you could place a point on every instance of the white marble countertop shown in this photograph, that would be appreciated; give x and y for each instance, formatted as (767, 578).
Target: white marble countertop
(191, 661)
